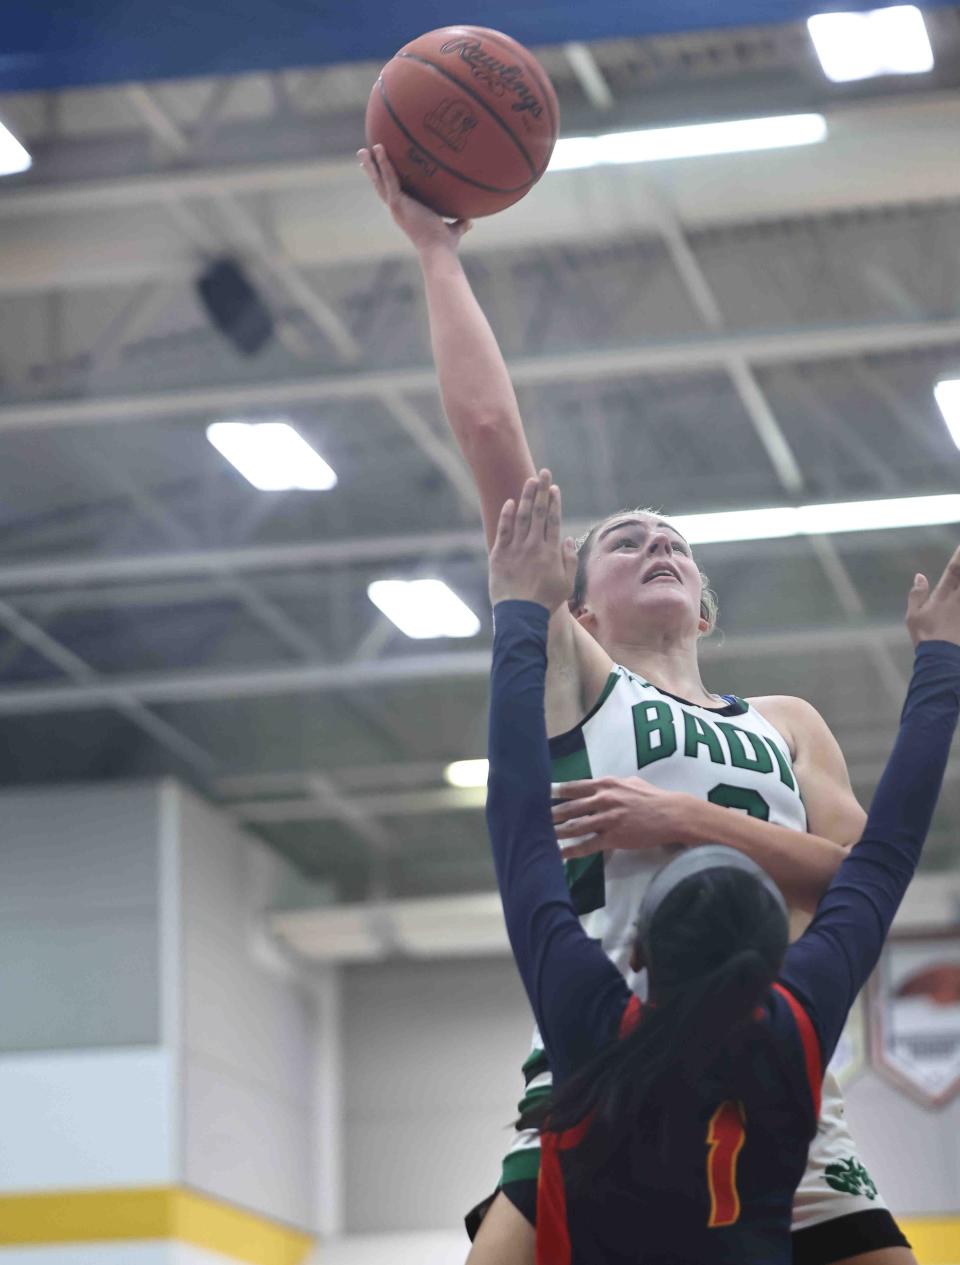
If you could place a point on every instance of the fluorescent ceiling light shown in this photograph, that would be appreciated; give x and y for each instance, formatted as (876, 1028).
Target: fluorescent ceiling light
(696, 140)
(423, 608)
(890, 41)
(947, 395)
(272, 456)
(467, 773)
(13, 157)
(818, 520)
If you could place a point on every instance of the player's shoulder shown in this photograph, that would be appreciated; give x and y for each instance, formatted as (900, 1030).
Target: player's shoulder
(793, 716)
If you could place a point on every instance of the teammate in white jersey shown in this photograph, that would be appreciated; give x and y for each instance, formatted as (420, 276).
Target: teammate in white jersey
(639, 611)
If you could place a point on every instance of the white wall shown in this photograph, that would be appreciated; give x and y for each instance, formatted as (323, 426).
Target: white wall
(86, 1119)
(912, 1152)
(79, 940)
(427, 1247)
(431, 1055)
(246, 1030)
(87, 1096)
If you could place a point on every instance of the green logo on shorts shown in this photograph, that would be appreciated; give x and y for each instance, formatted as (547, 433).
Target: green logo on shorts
(851, 1178)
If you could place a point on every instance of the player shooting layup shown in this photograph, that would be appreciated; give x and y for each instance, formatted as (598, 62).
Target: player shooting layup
(624, 697)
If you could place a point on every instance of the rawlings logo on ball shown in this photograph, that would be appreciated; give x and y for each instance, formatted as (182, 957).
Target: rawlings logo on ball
(498, 75)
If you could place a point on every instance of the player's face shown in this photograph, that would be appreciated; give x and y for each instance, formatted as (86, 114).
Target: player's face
(641, 568)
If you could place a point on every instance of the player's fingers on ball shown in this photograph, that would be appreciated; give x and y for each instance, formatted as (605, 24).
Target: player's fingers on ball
(369, 165)
(387, 170)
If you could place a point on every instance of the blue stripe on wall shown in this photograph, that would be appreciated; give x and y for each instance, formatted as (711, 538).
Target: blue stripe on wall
(55, 44)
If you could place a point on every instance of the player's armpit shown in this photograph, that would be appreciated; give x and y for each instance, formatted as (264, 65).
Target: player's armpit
(833, 811)
(577, 672)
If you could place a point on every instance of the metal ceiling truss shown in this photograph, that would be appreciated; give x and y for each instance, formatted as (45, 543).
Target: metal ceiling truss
(201, 201)
(676, 356)
(316, 678)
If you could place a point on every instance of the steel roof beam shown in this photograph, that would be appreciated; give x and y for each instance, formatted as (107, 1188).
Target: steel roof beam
(427, 801)
(65, 578)
(777, 447)
(122, 701)
(321, 313)
(280, 680)
(694, 355)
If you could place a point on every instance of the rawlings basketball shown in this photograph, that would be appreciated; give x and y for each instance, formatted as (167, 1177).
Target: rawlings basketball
(468, 117)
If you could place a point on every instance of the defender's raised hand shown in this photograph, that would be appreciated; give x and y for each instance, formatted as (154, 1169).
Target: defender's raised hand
(528, 560)
(935, 616)
(424, 227)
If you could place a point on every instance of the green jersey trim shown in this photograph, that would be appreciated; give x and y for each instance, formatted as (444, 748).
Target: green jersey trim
(566, 743)
(521, 1166)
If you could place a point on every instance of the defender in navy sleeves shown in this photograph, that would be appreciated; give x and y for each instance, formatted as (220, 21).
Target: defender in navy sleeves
(701, 1163)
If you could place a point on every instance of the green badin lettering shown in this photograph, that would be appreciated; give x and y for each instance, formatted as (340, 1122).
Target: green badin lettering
(850, 1178)
(698, 733)
(760, 761)
(786, 777)
(656, 736)
(748, 801)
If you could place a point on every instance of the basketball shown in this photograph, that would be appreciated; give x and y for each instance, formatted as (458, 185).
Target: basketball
(468, 118)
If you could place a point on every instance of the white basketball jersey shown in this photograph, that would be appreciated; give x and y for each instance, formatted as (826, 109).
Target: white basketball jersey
(730, 756)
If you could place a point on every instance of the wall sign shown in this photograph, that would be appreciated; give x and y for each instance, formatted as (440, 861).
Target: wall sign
(915, 1015)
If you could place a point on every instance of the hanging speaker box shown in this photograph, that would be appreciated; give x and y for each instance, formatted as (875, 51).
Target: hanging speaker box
(235, 307)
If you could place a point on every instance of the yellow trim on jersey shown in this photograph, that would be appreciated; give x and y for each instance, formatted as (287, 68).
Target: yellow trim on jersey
(935, 1240)
(163, 1212)
(722, 1165)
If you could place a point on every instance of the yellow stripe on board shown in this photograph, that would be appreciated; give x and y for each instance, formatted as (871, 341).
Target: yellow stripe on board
(219, 1227)
(935, 1240)
(166, 1212)
(83, 1216)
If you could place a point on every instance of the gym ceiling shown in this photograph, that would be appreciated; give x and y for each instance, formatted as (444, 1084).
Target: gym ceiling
(673, 330)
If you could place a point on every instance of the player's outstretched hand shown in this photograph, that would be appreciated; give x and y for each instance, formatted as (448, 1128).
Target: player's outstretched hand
(935, 615)
(424, 227)
(528, 560)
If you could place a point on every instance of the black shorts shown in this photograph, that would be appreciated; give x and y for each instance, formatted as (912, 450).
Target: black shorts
(523, 1196)
(822, 1244)
(835, 1240)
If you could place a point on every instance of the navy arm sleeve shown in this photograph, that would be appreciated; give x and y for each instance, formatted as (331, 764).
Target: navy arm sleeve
(577, 994)
(832, 960)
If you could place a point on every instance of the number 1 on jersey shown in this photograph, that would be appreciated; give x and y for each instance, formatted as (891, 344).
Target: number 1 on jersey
(725, 1138)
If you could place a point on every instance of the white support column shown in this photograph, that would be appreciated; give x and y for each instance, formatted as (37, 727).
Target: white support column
(169, 881)
(328, 1103)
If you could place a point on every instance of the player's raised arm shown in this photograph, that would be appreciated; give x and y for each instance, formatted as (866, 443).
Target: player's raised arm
(832, 960)
(578, 996)
(477, 393)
